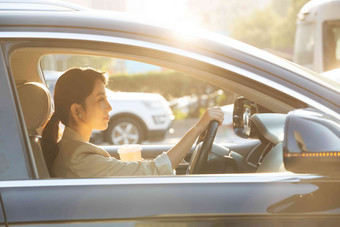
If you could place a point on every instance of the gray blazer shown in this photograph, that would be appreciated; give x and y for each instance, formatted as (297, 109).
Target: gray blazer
(78, 158)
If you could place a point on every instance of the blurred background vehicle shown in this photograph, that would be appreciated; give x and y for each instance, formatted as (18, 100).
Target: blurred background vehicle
(135, 117)
(317, 38)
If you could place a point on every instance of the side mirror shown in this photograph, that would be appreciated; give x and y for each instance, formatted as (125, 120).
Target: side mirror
(243, 110)
(311, 142)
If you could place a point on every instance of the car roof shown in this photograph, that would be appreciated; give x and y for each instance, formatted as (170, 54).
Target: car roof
(206, 46)
(39, 5)
(332, 74)
(132, 26)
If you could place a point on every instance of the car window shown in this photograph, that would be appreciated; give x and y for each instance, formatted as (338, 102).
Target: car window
(150, 104)
(154, 106)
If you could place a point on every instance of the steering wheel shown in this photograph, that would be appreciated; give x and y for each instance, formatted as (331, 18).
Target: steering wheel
(200, 154)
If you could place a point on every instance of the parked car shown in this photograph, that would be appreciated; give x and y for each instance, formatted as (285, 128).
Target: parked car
(286, 173)
(135, 117)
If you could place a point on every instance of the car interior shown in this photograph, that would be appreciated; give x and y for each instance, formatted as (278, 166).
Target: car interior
(261, 153)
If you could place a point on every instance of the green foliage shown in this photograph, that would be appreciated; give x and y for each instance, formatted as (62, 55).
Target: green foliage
(257, 28)
(169, 84)
(179, 114)
(99, 63)
(202, 111)
(63, 62)
(222, 99)
(270, 27)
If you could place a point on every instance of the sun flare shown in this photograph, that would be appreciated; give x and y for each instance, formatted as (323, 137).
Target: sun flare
(171, 13)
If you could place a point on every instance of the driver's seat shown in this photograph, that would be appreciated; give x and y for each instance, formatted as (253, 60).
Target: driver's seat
(36, 106)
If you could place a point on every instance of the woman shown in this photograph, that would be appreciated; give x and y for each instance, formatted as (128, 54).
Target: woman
(81, 105)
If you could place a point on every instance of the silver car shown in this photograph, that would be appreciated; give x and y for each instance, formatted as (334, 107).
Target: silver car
(285, 172)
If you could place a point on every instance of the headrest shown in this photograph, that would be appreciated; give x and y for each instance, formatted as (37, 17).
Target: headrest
(270, 125)
(36, 104)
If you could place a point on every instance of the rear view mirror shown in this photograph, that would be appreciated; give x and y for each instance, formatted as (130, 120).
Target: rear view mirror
(311, 142)
(243, 110)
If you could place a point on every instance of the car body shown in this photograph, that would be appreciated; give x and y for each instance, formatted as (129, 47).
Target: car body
(332, 74)
(232, 191)
(132, 120)
(39, 5)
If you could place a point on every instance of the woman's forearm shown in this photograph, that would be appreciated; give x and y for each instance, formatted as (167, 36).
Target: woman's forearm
(183, 147)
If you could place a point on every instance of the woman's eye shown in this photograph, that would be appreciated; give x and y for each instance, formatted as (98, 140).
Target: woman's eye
(102, 99)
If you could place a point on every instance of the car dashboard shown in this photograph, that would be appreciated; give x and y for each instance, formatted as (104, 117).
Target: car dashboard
(261, 153)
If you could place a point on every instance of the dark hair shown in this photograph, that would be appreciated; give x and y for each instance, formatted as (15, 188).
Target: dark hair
(71, 87)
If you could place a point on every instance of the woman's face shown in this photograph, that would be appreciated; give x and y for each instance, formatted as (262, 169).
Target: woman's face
(96, 113)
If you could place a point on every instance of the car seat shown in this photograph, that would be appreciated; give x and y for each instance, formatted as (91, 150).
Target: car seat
(36, 106)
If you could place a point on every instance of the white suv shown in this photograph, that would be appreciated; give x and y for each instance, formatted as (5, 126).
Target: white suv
(135, 117)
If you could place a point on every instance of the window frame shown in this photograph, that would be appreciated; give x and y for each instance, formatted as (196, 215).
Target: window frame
(214, 69)
(16, 148)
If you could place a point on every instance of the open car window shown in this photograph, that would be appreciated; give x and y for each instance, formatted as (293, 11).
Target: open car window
(158, 104)
(155, 104)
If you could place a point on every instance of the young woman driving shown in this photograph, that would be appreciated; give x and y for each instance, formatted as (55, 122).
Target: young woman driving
(81, 105)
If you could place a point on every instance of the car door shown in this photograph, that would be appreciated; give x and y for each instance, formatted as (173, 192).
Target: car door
(245, 199)
(2, 218)
(2, 119)
(189, 200)
(13, 154)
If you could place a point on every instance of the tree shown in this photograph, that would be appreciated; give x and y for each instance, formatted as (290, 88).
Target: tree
(257, 28)
(271, 27)
(61, 62)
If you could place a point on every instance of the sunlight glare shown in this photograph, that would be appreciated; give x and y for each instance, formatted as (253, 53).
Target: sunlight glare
(171, 13)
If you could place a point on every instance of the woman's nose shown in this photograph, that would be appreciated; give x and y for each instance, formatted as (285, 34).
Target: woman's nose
(109, 107)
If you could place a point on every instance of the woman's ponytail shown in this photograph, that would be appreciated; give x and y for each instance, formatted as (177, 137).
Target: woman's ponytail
(50, 137)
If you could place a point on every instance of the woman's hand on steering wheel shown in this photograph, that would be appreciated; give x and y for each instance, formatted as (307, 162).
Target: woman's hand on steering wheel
(213, 117)
(211, 114)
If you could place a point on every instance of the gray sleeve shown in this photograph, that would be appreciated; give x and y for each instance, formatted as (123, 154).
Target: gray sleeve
(96, 165)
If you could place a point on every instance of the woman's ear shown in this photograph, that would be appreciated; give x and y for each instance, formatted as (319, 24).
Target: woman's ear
(75, 112)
